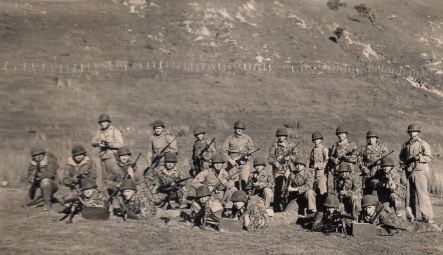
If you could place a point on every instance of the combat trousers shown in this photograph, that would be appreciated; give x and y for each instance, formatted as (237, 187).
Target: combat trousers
(352, 205)
(419, 189)
(48, 187)
(297, 200)
(241, 175)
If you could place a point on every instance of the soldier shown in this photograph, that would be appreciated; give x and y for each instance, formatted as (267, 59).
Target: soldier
(132, 205)
(79, 167)
(385, 218)
(42, 174)
(391, 186)
(123, 172)
(280, 155)
(89, 197)
(260, 182)
(218, 181)
(415, 156)
(250, 210)
(108, 139)
(348, 189)
(205, 210)
(299, 188)
(168, 187)
(318, 161)
(237, 149)
(343, 151)
(160, 144)
(369, 159)
(202, 151)
(331, 219)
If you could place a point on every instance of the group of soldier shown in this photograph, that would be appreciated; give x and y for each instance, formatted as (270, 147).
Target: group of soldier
(362, 184)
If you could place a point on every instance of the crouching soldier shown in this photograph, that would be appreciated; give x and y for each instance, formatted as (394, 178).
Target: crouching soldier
(348, 189)
(79, 168)
(299, 190)
(132, 205)
(90, 197)
(205, 210)
(387, 221)
(168, 184)
(125, 170)
(42, 174)
(331, 219)
(251, 211)
(391, 186)
(217, 180)
(261, 182)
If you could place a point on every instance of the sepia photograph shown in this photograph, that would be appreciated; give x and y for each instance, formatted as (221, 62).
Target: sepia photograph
(221, 127)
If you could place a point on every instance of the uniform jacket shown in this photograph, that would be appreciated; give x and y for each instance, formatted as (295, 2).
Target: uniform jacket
(416, 147)
(113, 137)
(47, 168)
(77, 171)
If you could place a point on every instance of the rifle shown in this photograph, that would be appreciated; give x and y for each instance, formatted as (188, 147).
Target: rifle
(377, 214)
(245, 155)
(379, 159)
(159, 156)
(135, 162)
(286, 194)
(206, 148)
(35, 179)
(289, 153)
(169, 187)
(75, 208)
(349, 153)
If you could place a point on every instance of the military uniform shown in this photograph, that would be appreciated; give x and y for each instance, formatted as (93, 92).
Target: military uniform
(348, 190)
(318, 160)
(75, 172)
(253, 214)
(162, 191)
(415, 156)
(234, 147)
(262, 184)
(157, 143)
(303, 180)
(42, 175)
(277, 152)
(202, 161)
(392, 190)
(138, 208)
(219, 182)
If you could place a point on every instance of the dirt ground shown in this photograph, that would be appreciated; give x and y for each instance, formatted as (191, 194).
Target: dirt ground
(59, 109)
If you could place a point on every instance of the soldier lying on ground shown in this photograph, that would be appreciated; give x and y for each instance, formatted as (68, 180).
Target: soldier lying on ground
(42, 174)
(387, 221)
(132, 205)
(331, 220)
(89, 197)
(251, 211)
(205, 210)
(261, 182)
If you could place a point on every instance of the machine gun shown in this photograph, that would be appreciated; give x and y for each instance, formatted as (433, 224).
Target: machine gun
(156, 160)
(75, 207)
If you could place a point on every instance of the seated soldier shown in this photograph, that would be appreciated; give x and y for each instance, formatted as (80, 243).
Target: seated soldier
(387, 221)
(217, 180)
(390, 185)
(127, 167)
(261, 182)
(348, 189)
(331, 219)
(205, 210)
(42, 175)
(79, 167)
(132, 205)
(250, 210)
(89, 197)
(168, 184)
(299, 190)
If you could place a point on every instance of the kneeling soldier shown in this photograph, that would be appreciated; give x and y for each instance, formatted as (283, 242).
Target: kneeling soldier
(206, 210)
(385, 218)
(42, 174)
(260, 182)
(299, 188)
(79, 168)
(251, 211)
(348, 189)
(132, 205)
(331, 219)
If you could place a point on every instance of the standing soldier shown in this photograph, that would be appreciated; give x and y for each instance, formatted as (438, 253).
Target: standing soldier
(237, 149)
(218, 181)
(160, 144)
(261, 182)
(202, 151)
(299, 187)
(415, 156)
(42, 174)
(343, 151)
(168, 187)
(280, 155)
(79, 168)
(251, 211)
(348, 189)
(390, 185)
(369, 159)
(108, 139)
(318, 161)
(132, 205)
